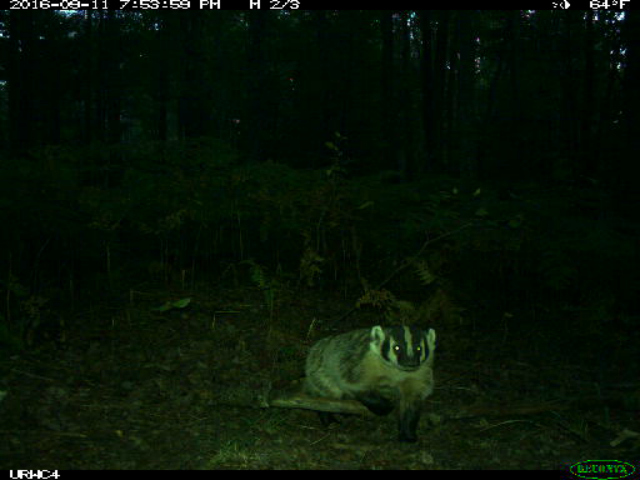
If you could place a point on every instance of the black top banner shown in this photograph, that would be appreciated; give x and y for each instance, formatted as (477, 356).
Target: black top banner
(141, 5)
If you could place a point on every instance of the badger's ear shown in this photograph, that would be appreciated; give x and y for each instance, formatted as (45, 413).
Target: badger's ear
(377, 335)
(431, 339)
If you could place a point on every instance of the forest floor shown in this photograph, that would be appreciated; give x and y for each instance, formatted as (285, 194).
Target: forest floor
(134, 388)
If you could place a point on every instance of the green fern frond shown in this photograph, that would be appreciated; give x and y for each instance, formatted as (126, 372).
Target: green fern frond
(424, 272)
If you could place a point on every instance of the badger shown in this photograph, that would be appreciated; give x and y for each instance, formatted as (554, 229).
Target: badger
(384, 368)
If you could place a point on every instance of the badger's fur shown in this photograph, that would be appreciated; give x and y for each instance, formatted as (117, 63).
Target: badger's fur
(382, 367)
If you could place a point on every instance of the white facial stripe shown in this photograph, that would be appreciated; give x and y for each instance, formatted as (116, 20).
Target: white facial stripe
(385, 341)
(408, 344)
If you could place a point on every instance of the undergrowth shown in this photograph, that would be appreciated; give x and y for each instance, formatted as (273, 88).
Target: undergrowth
(84, 222)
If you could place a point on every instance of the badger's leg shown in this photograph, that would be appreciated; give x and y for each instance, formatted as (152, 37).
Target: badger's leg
(376, 403)
(408, 419)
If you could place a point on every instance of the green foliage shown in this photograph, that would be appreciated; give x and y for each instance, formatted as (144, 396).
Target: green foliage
(270, 286)
(169, 305)
(382, 300)
(424, 272)
(310, 267)
(98, 218)
(190, 207)
(27, 316)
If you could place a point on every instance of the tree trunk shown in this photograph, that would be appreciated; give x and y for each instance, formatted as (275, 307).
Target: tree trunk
(388, 103)
(427, 89)
(439, 79)
(630, 168)
(21, 78)
(256, 110)
(466, 125)
(589, 154)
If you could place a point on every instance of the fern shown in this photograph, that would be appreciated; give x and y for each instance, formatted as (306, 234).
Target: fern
(310, 266)
(268, 285)
(424, 272)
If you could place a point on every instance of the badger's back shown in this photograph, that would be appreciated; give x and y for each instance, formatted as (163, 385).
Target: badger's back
(342, 366)
(334, 364)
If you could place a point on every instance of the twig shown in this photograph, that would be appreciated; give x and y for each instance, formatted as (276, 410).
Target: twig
(32, 375)
(406, 263)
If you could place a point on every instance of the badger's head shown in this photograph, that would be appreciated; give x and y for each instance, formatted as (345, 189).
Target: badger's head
(406, 348)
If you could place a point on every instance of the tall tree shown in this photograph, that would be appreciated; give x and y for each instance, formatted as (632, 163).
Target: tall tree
(323, 69)
(257, 79)
(194, 98)
(513, 28)
(439, 83)
(466, 124)
(426, 64)
(22, 77)
(571, 113)
(346, 79)
(54, 64)
(88, 88)
(388, 103)
(630, 168)
(115, 85)
(162, 59)
(588, 165)
(406, 154)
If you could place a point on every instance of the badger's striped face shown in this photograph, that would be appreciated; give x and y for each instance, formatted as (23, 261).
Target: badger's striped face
(403, 347)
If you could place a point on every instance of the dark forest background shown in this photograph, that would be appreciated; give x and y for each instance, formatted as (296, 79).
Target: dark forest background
(321, 149)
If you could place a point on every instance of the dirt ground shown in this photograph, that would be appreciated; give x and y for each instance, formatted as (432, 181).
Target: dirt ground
(134, 388)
